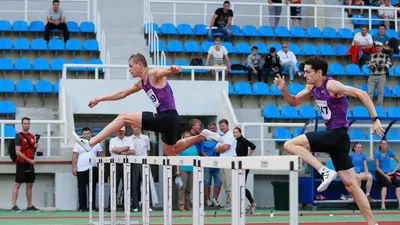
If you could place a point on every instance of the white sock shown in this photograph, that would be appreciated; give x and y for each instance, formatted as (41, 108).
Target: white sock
(323, 170)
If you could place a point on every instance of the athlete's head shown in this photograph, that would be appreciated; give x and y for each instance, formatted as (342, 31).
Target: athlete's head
(237, 132)
(357, 148)
(224, 125)
(384, 144)
(315, 68)
(86, 132)
(137, 64)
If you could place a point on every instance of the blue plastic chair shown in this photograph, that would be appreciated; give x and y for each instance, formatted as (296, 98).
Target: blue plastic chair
(345, 33)
(57, 64)
(261, 88)
(36, 26)
(56, 86)
(394, 113)
(200, 29)
(262, 48)
(9, 132)
(380, 111)
(77, 61)
(23, 64)
(365, 70)
(161, 46)
(7, 107)
(229, 47)
(314, 32)
(21, 44)
(73, 45)
(295, 48)
(307, 112)
(341, 50)
(250, 31)
(357, 135)
(7, 86)
(266, 31)
(174, 46)
(396, 91)
(5, 25)
(205, 46)
(235, 29)
(329, 32)
(168, 29)
(360, 112)
(148, 28)
(298, 32)
(282, 134)
(41, 64)
(326, 50)
(243, 88)
(72, 27)
(56, 45)
(242, 48)
(277, 46)
(230, 89)
(354, 70)
(6, 64)
(97, 62)
(24, 86)
(295, 88)
(91, 45)
(20, 26)
(5, 44)
(309, 49)
(297, 131)
(391, 33)
(39, 45)
(275, 91)
(44, 87)
(184, 29)
(271, 112)
(87, 27)
(290, 112)
(192, 47)
(282, 31)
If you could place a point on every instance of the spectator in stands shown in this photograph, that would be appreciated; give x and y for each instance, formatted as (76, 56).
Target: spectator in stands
(383, 39)
(120, 146)
(355, 2)
(254, 64)
(384, 174)
(56, 20)
(194, 129)
(272, 63)
(361, 41)
(207, 150)
(377, 2)
(387, 14)
(186, 172)
(80, 169)
(288, 61)
(397, 5)
(217, 53)
(295, 13)
(226, 149)
(379, 64)
(275, 12)
(359, 160)
(25, 146)
(141, 145)
(221, 22)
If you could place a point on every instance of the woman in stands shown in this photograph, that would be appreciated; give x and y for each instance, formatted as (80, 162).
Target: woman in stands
(359, 160)
(384, 173)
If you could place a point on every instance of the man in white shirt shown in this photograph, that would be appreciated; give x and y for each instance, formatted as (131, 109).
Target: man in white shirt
(216, 54)
(362, 42)
(80, 169)
(288, 61)
(226, 149)
(120, 146)
(387, 14)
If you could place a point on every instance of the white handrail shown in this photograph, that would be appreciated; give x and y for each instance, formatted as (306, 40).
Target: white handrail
(64, 102)
(163, 59)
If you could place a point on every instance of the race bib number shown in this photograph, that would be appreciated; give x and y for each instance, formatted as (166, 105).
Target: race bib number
(153, 98)
(325, 111)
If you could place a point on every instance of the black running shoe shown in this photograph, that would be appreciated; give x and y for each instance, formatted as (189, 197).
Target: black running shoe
(33, 209)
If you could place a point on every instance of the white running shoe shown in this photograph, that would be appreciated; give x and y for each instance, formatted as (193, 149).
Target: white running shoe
(209, 135)
(82, 142)
(215, 202)
(327, 178)
(209, 203)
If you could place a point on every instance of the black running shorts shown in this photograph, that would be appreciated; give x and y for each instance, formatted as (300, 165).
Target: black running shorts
(25, 173)
(167, 123)
(336, 142)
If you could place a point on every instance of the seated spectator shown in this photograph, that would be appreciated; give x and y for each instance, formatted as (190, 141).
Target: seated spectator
(288, 61)
(56, 20)
(384, 174)
(362, 41)
(377, 2)
(217, 53)
(295, 13)
(382, 38)
(272, 63)
(387, 14)
(221, 22)
(254, 64)
(359, 160)
(355, 2)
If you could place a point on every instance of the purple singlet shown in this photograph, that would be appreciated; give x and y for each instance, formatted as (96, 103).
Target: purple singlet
(333, 110)
(162, 98)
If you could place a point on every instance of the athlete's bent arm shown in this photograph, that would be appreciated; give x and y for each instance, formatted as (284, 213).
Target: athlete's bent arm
(292, 100)
(163, 72)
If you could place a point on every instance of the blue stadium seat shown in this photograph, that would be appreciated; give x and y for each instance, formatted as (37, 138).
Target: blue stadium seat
(329, 32)
(91, 45)
(365, 70)
(7, 107)
(21, 44)
(356, 30)
(5, 44)
(97, 62)
(229, 47)
(394, 113)
(36, 26)
(397, 70)
(277, 46)
(192, 47)
(307, 112)
(396, 91)
(72, 27)
(161, 46)
(243, 48)
(185, 29)
(266, 31)
(87, 27)
(39, 45)
(298, 32)
(7, 86)
(282, 31)
(77, 61)
(168, 29)
(56, 86)
(275, 91)
(295, 48)
(44, 87)
(336, 70)
(56, 45)
(314, 32)
(393, 135)
(41, 64)
(24, 86)
(357, 135)
(149, 27)
(271, 112)
(350, 85)
(174, 46)
(282, 134)
(262, 48)
(261, 88)
(360, 112)
(23, 64)
(290, 112)
(205, 46)
(374, 31)
(309, 49)
(391, 33)
(73, 45)
(297, 131)
(200, 29)
(345, 33)
(5, 25)
(20, 26)
(243, 88)
(250, 31)
(354, 70)
(341, 50)
(237, 71)
(386, 92)
(363, 87)
(295, 88)
(6, 64)
(380, 111)
(349, 114)
(183, 62)
(375, 21)
(326, 50)
(230, 89)
(57, 64)
(358, 20)
(236, 31)
(392, 73)
(9, 132)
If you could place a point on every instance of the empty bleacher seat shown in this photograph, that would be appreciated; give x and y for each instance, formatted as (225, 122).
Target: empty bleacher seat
(329, 32)
(57, 64)
(297, 131)
(271, 112)
(20, 26)
(97, 62)
(5, 25)
(77, 61)
(262, 48)
(341, 50)
(36, 26)
(326, 50)
(44, 87)
(309, 49)
(394, 113)
(360, 112)
(7, 86)
(336, 70)
(373, 31)
(275, 91)
(295, 88)
(282, 134)
(393, 135)
(21, 44)
(168, 29)
(174, 46)
(161, 46)
(229, 47)
(261, 88)
(243, 48)
(235, 29)
(23, 64)
(243, 88)
(72, 27)
(295, 48)
(290, 112)
(56, 86)
(365, 70)
(87, 27)
(353, 70)
(298, 32)
(357, 134)
(363, 87)
(7, 107)
(396, 91)
(9, 132)
(6, 64)
(73, 45)
(183, 62)
(391, 33)
(266, 31)
(151, 27)
(307, 112)
(39, 45)
(282, 31)
(56, 45)
(345, 33)
(381, 113)
(41, 64)
(24, 86)
(250, 31)
(192, 47)
(5, 44)
(314, 32)
(185, 29)
(230, 89)
(200, 29)
(91, 45)
(205, 46)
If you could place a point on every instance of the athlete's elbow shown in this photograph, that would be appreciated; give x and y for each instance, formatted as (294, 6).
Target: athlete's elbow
(362, 94)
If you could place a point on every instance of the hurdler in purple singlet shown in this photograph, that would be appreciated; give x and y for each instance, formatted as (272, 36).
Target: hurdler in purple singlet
(162, 98)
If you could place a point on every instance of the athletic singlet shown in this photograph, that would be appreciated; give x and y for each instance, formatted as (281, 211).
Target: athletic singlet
(333, 110)
(162, 98)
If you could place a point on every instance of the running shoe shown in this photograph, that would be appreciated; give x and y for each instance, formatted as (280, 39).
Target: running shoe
(328, 177)
(82, 142)
(209, 135)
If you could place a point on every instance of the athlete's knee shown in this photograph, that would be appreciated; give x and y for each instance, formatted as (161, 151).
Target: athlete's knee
(288, 146)
(350, 186)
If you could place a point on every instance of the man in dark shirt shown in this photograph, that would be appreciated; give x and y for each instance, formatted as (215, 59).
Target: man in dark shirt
(272, 63)
(221, 22)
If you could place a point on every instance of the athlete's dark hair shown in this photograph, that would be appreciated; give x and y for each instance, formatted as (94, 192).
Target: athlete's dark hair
(223, 121)
(138, 58)
(86, 129)
(352, 148)
(238, 128)
(317, 63)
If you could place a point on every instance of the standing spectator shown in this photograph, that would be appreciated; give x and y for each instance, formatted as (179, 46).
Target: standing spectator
(186, 172)
(56, 20)
(361, 41)
(222, 21)
(377, 2)
(272, 63)
(216, 54)
(379, 64)
(295, 13)
(387, 14)
(80, 169)
(254, 64)
(355, 2)
(359, 160)
(226, 149)
(275, 12)
(383, 39)
(194, 129)
(288, 61)
(25, 171)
